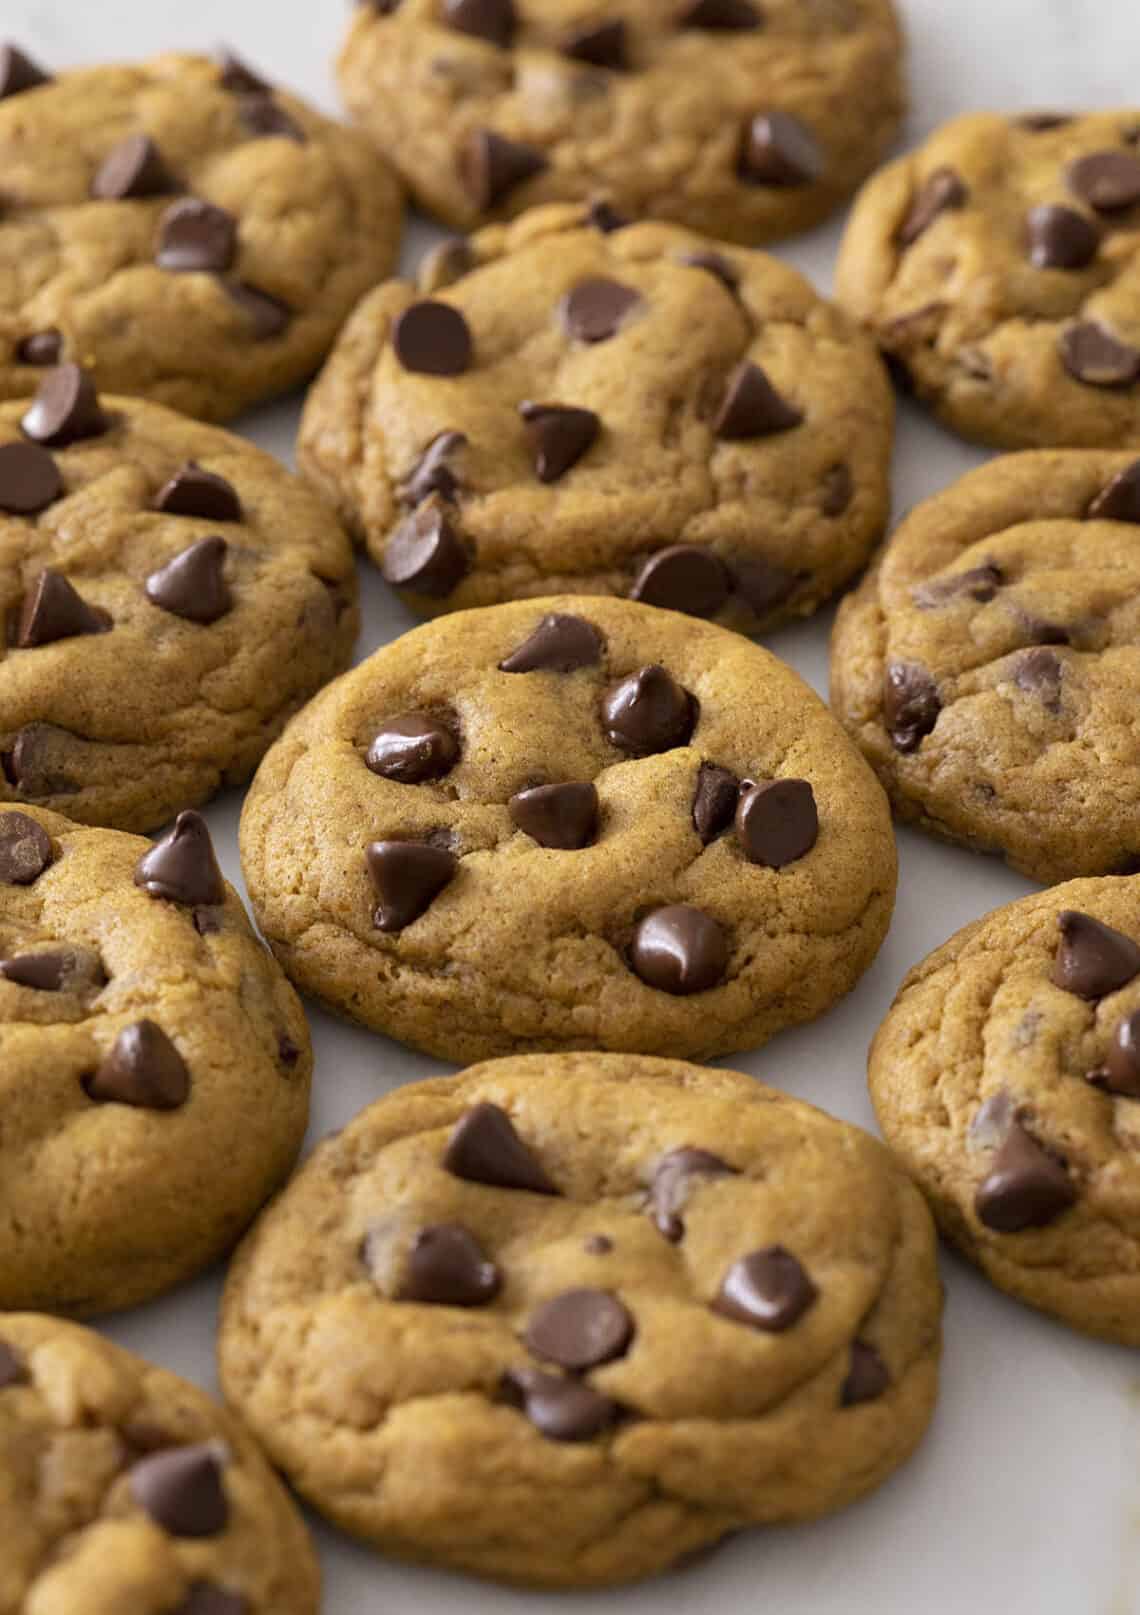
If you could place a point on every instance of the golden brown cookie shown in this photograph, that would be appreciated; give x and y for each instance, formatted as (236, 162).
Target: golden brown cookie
(651, 1303)
(154, 1065)
(635, 412)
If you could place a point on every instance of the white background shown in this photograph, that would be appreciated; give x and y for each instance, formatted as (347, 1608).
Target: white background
(1026, 1494)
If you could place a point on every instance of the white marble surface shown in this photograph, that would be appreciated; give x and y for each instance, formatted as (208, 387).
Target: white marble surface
(1026, 1495)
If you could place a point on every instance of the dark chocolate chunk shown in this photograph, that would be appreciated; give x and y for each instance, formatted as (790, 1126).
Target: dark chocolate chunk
(407, 877)
(485, 1147)
(560, 644)
(182, 867)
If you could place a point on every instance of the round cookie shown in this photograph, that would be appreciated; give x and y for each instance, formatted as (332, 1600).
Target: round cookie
(689, 1304)
(570, 823)
(998, 267)
(154, 1064)
(123, 1487)
(1007, 1076)
(745, 119)
(169, 596)
(194, 235)
(635, 412)
(988, 663)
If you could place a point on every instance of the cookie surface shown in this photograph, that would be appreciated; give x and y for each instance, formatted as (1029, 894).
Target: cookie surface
(636, 411)
(125, 1487)
(570, 823)
(192, 233)
(621, 1294)
(1006, 1078)
(997, 265)
(747, 120)
(987, 663)
(169, 594)
(154, 1064)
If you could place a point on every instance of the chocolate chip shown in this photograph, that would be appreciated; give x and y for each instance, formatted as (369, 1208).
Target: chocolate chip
(679, 950)
(447, 1268)
(751, 407)
(196, 235)
(268, 315)
(65, 408)
(1119, 500)
(287, 1051)
(25, 850)
(648, 712)
(603, 45)
(720, 14)
(596, 309)
(910, 704)
(12, 1370)
(445, 264)
(980, 583)
(1039, 122)
(407, 877)
(205, 1598)
(425, 554)
(182, 868)
(432, 339)
(1120, 1073)
(563, 816)
(836, 490)
(53, 609)
(194, 492)
(134, 168)
(18, 72)
(238, 76)
(685, 578)
(942, 191)
(1061, 238)
(1038, 672)
(1093, 355)
(181, 1490)
(560, 644)
(560, 435)
(432, 474)
(603, 216)
(777, 821)
(412, 748)
(42, 972)
(1026, 1187)
(32, 765)
(143, 1069)
(484, 1147)
(867, 1377)
(41, 348)
(713, 263)
(560, 1409)
(714, 801)
(492, 20)
(193, 585)
(1107, 180)
(598, 1245)
(491, 166)
(763, 584)
(1092, 959)
(580, 1329)
(767, 1289)
(29, 479)
(675, 1177)
(778, 150)
(266, 118)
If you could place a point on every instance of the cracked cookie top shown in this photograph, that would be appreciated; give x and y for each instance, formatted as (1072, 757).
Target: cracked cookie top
(570, 823)
(997, 266)
(745, 119)
(652, 1302)
(154, 1064)
(193, 233)
(168, 596)
(565, 405)
(125, 1487)
(986, 665)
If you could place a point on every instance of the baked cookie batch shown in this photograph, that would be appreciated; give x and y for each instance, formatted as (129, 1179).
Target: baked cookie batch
(578, 828)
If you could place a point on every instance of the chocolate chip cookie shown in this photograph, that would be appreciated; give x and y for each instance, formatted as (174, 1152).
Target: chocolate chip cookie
(186, 229)
(1007, 1079)
(169, 595)
(746, 119)
(651, 1303)
(125, 1488)
(570, 823)
(999, 265)
(154, 1064)
(637, 412)
(987, 664)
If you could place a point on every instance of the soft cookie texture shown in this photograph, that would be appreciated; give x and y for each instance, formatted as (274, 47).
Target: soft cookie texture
(988, 663)
(192, 233)
(567, 1320)
(746, 119)
(570, 823)
(169, 595)
(635, 411)
(125, 1488)
(997, 266)
(154, 1065)
(1007, 1080)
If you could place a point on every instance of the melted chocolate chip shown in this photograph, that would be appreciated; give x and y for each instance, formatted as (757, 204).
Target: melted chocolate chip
(18, 72)
(910, 704)
(727, 15)
(447, 1268)
(268, 315)
(287, 1051)
(432, 339)
(560, 435)
(1038, 672)
(41, 348)
(1107, 180)
(559, 1409)
(683, 577)
(867, 1377)
(412, 748)
(1120, 1073)
(942, 191)
(580, 1330)
(680, 950)
(143, 1069)
(777, 821)
(675, 1178)
(1092, 959)
(491, 166)
(1026, 1187)
(1119, 500)
(1091, 354)
(237, 76)
(65, 409)
(603, 44)
(425, 553)
(648, 712)
(837, 488)
(492, 20)
(763, 584)
(33, 764)
(12, 1369)
(194, 235)
(484, 1147)
(1061, 238)
(751, 407)
(41, 972)
(194, 492)
(559, 816)
(714, 801)
(29, 479)
(182, 1491)
(596, 309)
(182, 867)
(980, 583)
(25, 850)
(407, 877)
(53, 609)
(714, 263)
(135, 168)
(193, 585)
(432, 473)
(780, 151)
(767, 1289)
(267, 119)
(560, 644)
(603, 216)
